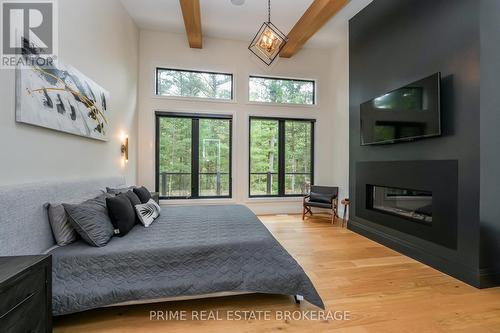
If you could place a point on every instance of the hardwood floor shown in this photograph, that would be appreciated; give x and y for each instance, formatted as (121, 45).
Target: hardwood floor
(382, 290)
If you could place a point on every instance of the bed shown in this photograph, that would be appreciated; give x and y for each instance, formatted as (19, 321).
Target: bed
(187, 251)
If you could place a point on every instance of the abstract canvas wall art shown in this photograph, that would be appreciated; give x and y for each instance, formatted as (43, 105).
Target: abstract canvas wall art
(63, 99)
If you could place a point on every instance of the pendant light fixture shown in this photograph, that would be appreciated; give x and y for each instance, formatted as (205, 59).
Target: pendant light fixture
(268, 41)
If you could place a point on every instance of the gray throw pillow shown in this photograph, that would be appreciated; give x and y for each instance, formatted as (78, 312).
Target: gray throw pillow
(116, 191)
(91, 220)
(62, 230)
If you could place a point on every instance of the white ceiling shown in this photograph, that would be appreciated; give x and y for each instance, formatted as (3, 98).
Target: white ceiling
(222, 19)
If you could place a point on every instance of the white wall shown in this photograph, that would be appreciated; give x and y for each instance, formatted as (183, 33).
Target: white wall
(171, 50)
(339, 95)
(99, 39)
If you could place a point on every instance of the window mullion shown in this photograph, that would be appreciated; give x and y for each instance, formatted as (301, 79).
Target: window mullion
(230, 158)
(312, 154)
(195, 152)
(281, 158)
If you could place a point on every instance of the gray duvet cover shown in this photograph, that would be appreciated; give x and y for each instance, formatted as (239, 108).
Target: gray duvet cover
(190, 250)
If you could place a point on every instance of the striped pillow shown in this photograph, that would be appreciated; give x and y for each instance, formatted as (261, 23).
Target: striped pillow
(148, 212)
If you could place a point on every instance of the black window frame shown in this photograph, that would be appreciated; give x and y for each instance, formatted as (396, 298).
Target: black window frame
(283, 79)
(281, 155)
(194, 71)
(195, 118)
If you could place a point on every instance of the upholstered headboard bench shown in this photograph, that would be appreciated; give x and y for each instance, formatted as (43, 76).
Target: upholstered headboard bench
(24, 225)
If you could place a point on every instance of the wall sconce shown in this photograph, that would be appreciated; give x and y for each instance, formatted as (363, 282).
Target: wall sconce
(124, 149)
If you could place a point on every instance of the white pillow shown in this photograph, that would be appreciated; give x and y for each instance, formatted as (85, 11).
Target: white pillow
(148, 212)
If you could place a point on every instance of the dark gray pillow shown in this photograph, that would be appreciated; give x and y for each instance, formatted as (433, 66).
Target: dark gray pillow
(91, 220)
(134, 200)
(119, 190)
(62, 230)
(121, 213)
(143, 194)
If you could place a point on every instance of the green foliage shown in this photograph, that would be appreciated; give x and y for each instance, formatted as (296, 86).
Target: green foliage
(297, 156)
(194, 84)
(215, 155)
(264, 146)
(175, 156)
(281, 91)
(263, 156)
(264, 152)
(298, 147)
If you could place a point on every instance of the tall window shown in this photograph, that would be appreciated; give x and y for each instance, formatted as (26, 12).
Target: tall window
(188, 83)
(193, 156)
(281, 91)
(281, 156)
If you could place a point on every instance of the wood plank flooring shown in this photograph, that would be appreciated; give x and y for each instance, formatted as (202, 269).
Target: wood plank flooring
(382, 290)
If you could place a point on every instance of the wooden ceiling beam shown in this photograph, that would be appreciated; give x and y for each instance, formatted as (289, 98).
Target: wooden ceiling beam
(192, 21)
(318, 13)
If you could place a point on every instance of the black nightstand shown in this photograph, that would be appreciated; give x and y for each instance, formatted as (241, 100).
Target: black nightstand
(26, 294)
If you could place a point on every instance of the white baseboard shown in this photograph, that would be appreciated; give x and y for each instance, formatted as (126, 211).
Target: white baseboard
(258, 206)
(284, 208)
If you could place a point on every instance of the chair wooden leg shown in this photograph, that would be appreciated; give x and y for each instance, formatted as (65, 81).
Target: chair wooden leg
(306, 210)
(333, 216)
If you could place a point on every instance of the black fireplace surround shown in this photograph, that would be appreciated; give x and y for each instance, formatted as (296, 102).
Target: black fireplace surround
(392, 43)
(439, 178)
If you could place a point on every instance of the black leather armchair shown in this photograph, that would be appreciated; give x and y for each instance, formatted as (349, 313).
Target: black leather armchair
(322, 197)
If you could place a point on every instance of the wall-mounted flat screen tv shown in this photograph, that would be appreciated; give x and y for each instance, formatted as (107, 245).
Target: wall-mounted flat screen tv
(405, 114)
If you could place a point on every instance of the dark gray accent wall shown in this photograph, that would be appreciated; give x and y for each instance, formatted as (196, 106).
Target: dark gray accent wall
(393, 43)
(490, 142)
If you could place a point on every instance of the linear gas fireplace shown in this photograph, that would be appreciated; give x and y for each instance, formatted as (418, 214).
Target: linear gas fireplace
(418, 198)
(410, 204)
